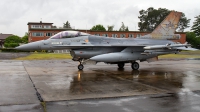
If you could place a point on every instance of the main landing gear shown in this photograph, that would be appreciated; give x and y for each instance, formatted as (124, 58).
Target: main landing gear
(120, 65)
(135, 66)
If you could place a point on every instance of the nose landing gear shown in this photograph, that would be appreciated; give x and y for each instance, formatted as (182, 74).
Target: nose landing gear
(80, 66)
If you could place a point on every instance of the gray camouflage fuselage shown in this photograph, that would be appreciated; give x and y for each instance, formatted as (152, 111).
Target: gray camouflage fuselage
(110, 50)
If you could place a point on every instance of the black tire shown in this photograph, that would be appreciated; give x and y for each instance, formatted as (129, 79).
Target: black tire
(80, 67)
(135, 66)
(120, 65)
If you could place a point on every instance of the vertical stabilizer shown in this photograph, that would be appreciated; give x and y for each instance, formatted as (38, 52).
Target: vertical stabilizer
(169, 24)
(167, 28)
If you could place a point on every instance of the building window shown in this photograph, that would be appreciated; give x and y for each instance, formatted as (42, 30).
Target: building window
(114, 35)
(105, 35)
(36, 26)
(47, 26)
(122, 36)
(37, 34)
(130, 35)
(97, 34)
(138, 35)
(49, 34)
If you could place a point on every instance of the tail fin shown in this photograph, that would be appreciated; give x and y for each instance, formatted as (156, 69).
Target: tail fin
(169, 24)
(167, 27)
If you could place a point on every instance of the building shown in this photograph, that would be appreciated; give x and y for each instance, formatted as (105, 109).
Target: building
(2, 38)
(40, 31)
(130, 34)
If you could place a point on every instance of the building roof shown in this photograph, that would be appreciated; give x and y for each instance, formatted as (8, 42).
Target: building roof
(4, 36)
(37, 23)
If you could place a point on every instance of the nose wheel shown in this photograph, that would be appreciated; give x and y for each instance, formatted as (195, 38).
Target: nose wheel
(135, 66)
(80, 66)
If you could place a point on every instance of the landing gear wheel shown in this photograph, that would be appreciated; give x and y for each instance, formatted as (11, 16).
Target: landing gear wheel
(120, 65)
(80, 67)
(135, 66)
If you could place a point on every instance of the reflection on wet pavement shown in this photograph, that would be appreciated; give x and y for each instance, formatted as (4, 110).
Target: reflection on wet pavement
(60, 80)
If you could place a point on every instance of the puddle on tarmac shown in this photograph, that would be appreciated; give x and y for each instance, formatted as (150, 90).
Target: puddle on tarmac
(99, 80)
(98, 83)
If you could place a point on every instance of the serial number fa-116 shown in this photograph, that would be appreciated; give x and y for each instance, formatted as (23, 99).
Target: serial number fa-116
(90, 48)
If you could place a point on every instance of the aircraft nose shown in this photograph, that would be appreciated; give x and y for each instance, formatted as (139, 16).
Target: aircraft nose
(30, 46)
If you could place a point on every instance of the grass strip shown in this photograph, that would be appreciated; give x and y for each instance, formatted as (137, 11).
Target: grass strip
(45, 56)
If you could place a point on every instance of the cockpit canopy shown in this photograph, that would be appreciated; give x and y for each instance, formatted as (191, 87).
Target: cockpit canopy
(68, 34)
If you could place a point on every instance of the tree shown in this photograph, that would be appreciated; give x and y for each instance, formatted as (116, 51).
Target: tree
(127, 29)
(66, 25)
(196, 26)
(25, 38)
(110, 28)
(12, 41)
(98, 28)
(54, 26)
(123, 27)
(151, 18)
(183, 23)
(192, 39)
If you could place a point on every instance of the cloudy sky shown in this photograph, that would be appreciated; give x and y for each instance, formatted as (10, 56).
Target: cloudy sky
(83, 14)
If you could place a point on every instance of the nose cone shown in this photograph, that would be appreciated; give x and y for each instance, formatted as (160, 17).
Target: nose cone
(30, 46)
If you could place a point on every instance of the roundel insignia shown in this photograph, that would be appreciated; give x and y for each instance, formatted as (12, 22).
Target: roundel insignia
(86, 40)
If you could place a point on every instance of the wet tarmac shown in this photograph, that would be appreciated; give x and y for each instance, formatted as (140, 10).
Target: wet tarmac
(181, 102)
(57, 85)
(12, 55)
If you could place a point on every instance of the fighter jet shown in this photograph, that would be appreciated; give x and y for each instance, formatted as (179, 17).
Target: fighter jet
(90, 48)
